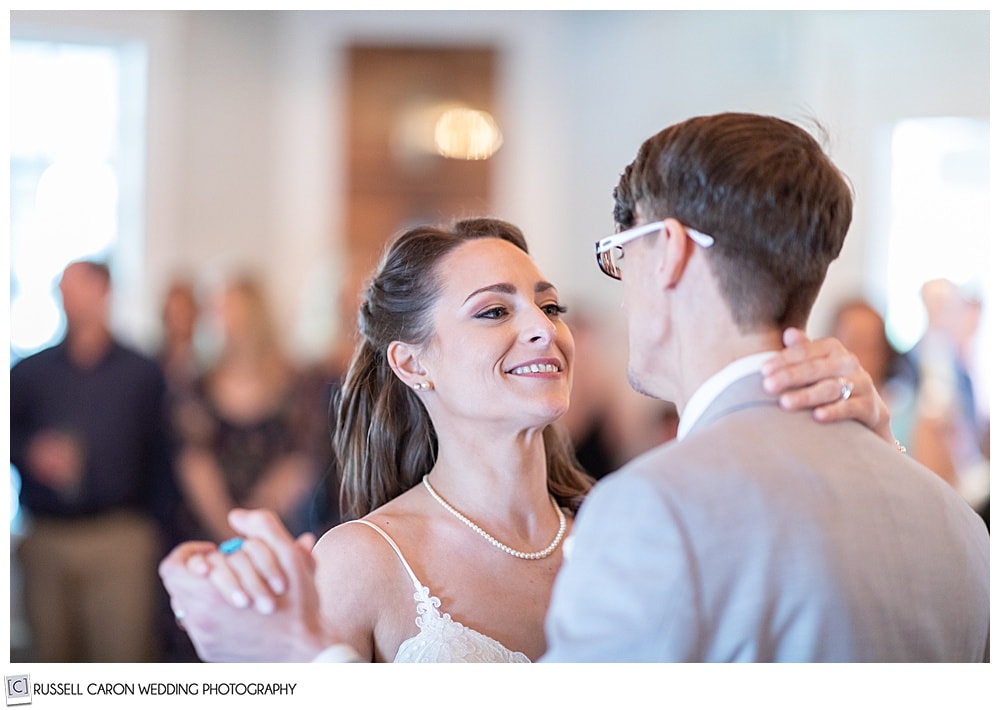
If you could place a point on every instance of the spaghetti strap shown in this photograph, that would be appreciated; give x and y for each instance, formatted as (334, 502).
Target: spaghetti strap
(399, 554)
(441, 638)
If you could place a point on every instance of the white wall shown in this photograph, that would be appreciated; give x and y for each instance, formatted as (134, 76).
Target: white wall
(244, 117)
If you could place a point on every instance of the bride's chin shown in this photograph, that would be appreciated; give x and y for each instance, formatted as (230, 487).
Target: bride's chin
(539, 413)
(555, 413)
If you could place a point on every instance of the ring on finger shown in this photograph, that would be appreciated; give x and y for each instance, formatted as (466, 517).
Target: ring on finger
(233, 544)
(846, 388)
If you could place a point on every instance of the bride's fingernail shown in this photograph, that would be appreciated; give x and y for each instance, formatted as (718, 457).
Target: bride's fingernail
(240, 599)
(264, 605)
(277, 585)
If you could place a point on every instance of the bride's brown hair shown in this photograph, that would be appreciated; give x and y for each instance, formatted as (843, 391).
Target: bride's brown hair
(382, 436)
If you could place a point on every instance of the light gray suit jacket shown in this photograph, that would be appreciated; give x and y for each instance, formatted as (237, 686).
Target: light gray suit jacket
(765, 536)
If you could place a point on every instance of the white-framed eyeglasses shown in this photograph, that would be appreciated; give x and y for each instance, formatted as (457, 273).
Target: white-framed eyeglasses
(610, 252)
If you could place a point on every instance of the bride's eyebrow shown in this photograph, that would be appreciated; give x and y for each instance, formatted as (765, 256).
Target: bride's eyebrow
(499, 288)
(509, 288)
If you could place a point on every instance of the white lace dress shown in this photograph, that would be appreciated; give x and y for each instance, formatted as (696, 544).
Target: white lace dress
(441, 639)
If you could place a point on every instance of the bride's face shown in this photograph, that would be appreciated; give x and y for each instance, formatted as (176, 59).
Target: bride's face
(500, 351)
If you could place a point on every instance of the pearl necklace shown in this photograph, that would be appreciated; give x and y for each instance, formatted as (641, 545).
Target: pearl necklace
(496, 543)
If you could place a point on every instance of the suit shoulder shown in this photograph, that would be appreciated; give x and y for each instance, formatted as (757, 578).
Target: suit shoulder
(33, 363)
(670, 461)
(34, 358)
(644, 480)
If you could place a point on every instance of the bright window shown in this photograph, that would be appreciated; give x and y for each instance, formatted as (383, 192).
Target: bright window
(69, 151)
(940, 216)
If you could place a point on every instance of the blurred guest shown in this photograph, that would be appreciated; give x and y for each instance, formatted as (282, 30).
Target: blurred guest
(861, 328)
(178, 355)
(179, 318)
(608, 422)
(591, 414)
(243, 444)
(88, 437)
(948, 436)
(320, 384)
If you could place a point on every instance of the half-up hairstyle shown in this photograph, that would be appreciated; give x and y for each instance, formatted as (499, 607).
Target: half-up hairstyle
(382, 435)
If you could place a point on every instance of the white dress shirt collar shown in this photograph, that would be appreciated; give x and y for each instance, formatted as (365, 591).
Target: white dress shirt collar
(714, 385)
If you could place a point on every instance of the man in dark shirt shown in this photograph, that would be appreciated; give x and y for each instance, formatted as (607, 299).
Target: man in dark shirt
(89, 440)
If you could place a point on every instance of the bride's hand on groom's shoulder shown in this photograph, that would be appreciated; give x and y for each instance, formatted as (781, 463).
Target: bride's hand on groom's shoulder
(826, 377)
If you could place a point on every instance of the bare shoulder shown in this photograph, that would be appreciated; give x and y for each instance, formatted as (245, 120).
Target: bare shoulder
(367, 554)
(401, 520)
(352, 554)
(360, 579)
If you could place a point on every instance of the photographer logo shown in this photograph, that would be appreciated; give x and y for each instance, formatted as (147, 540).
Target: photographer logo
(18, 689)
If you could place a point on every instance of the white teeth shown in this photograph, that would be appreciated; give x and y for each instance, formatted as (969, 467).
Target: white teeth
(534, 367)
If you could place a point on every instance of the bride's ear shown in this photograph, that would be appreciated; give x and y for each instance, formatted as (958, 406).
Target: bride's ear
(404, 360)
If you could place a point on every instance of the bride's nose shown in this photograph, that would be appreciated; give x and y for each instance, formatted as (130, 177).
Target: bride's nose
(538, 328)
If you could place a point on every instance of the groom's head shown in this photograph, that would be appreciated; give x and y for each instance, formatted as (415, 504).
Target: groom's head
(732, 221)
(775, 204)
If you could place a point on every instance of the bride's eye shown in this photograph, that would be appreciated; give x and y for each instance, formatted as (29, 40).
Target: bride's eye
(492, 313)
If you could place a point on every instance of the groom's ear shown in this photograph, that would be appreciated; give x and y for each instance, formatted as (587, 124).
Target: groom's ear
(672, 252)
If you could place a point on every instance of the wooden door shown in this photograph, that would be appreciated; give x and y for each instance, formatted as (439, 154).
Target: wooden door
(394, 179)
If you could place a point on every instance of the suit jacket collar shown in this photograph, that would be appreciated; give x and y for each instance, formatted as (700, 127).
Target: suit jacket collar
(714, 386)
(744, 393)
